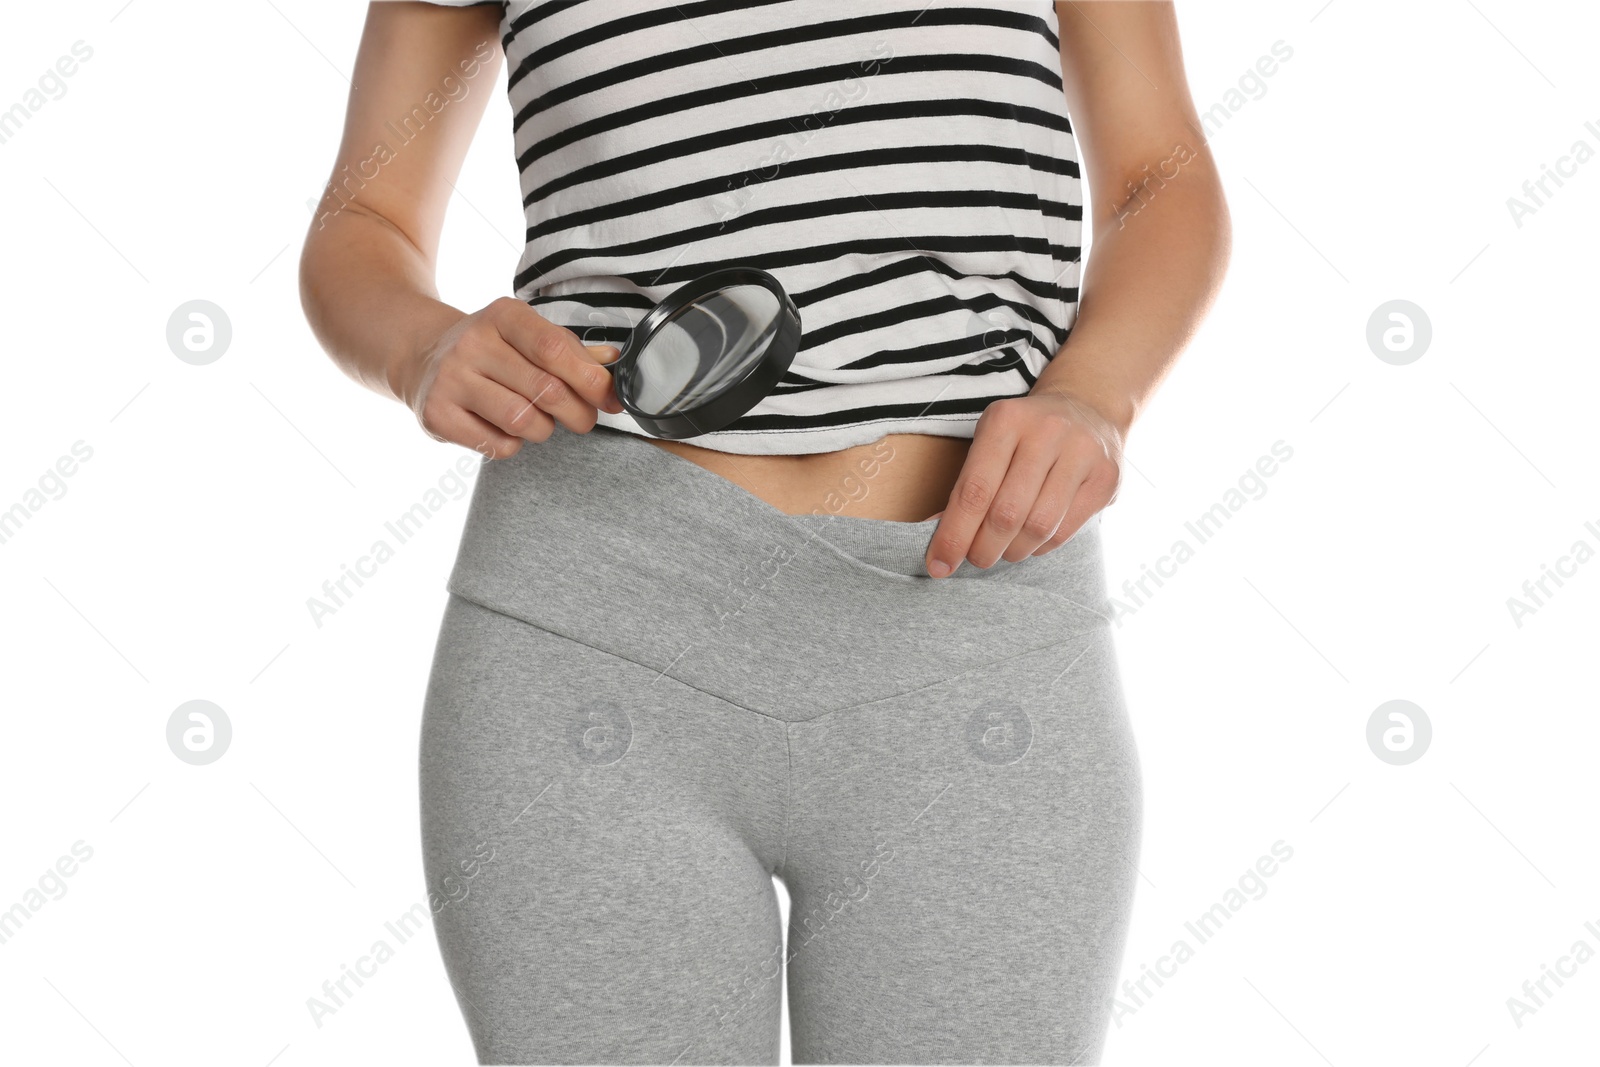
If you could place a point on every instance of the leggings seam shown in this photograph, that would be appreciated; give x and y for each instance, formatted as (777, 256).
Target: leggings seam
(615, 655)
(951, 677)
(786, 723)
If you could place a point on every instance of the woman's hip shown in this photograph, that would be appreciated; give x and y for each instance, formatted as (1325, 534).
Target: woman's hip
(612, 542)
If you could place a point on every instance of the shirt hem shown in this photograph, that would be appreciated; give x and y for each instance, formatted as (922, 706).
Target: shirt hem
(807, 440)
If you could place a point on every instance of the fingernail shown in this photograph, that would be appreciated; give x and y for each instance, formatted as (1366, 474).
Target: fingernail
(938, 568)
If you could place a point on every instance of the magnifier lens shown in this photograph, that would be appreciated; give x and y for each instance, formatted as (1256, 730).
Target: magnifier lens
(705, 347)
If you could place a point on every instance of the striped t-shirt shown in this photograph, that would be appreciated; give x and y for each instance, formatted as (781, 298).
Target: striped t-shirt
(905, 168)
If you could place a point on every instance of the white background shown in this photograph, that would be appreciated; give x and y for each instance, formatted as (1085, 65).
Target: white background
(1376, 165)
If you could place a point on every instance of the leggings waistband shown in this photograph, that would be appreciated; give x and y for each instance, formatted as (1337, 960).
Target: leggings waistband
(607, 539)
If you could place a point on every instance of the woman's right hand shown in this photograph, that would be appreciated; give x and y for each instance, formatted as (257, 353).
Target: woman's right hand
(504, 375)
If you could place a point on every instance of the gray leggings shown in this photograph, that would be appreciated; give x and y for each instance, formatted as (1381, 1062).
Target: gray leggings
(653, 693)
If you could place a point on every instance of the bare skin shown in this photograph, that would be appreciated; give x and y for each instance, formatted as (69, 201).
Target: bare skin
(1038, 466)
(910, 485)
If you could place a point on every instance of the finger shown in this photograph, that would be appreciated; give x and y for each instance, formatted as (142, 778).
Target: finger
(509, 411)
(981, 476)
(1049, 512)
(1086, 500)
(606, 355)
(1073, 522)
(462, 427)
(1012, 509)
(555, 350)
(540, 388)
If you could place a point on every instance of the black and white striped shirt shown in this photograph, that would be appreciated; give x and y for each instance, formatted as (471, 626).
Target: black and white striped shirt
(905, 168)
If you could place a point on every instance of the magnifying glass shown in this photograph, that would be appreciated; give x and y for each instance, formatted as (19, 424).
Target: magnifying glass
(708, 353)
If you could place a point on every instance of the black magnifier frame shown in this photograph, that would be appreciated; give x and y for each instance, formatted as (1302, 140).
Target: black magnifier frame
(737, 397)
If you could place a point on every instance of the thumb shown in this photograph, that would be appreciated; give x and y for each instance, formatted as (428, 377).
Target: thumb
(603, 354)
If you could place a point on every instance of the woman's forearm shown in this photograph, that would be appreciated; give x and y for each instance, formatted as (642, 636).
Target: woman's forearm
(367, 268)
(1154, 267)
(369, 295)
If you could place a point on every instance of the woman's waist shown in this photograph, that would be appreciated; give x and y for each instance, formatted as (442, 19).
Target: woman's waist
(902, 477)
(623, 546)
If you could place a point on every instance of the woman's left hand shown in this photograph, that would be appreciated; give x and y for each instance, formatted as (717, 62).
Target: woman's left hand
(1039, 467)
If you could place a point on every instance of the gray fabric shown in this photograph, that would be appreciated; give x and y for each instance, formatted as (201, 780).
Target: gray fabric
(653, 692)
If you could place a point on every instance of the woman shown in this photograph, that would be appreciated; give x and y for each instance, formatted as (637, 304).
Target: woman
(858, 640)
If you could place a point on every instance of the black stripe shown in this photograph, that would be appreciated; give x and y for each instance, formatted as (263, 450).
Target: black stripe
(770, 128)
(602, 333)
(756, 42)
(902, 268)
(895, 316)
(937, 350)
(600, 299)
(800, 212)
(824, 208)
(742, 91)
(1004, 361)
(838, 419)
(635, 22)
(596, 333)
(731, 185)
(540, 11)
(769, 260)
(852, 282)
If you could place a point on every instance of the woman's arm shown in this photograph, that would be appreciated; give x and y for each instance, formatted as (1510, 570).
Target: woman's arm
(1041, 465)
(488, 380)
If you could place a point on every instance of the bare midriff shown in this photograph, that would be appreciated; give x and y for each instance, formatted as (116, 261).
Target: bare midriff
(903, 477)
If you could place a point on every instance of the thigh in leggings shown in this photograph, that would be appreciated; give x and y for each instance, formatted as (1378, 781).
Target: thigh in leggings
(653, 693)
